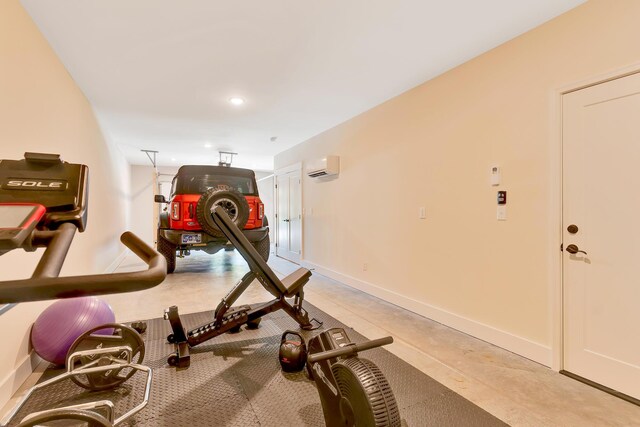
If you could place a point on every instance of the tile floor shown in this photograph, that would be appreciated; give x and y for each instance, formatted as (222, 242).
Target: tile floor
(514, 389)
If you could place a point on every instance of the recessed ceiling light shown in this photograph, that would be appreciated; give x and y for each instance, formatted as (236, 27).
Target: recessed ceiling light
(173, 159)
(236, 100)
(207, 145)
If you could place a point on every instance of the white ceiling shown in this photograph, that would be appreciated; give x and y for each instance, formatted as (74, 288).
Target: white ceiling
(159, 73)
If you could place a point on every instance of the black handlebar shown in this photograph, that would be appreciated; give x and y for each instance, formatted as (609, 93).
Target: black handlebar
(349, 350)
(44, 283)
(57, 243)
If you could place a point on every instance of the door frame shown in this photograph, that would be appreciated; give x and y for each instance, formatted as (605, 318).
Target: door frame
(295, 167)
(556, 302)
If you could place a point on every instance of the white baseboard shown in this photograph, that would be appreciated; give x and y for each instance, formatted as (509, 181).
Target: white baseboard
(521, 346)
(116, 262)
(17, 377)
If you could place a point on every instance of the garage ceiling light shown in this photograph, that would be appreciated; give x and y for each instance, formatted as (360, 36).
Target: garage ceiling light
(236, 100)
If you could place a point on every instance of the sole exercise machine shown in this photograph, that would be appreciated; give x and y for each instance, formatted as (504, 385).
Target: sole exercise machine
(43, 202)
(228, 318)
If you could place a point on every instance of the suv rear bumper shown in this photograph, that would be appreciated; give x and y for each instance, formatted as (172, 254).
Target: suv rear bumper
(175, 236)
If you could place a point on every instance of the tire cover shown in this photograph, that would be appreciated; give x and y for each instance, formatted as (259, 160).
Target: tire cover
(234, 203)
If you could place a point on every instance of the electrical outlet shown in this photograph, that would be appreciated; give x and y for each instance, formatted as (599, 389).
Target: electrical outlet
(422, 212)
(365, 266)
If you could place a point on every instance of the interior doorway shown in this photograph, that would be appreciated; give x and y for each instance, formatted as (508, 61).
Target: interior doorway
(288, 191)
(601, 234)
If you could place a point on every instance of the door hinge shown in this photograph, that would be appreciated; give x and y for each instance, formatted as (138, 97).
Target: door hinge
(561, 247)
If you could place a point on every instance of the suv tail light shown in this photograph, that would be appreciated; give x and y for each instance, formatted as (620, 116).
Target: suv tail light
(260, 210)
(175, 211)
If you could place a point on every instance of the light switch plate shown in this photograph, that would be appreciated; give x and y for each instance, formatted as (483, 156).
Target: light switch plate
(496, 175)
(501, 214)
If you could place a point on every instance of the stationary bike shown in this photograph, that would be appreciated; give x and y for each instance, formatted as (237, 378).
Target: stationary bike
(43, 202)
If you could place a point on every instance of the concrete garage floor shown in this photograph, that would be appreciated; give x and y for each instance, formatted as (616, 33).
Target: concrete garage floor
(514, 389)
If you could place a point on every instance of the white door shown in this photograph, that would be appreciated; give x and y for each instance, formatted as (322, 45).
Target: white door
(282, 215)
(295, 215)
(601, 216)
(289, 218)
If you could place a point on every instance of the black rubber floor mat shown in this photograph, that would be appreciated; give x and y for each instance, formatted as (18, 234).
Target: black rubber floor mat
(235, 380)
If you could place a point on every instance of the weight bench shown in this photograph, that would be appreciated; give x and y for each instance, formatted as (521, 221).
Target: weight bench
(228, 318)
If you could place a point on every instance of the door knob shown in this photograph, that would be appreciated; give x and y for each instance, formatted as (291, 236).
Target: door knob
(285, 220)
(573, 249)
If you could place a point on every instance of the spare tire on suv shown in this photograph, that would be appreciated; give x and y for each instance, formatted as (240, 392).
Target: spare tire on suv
(185, 224)
(231, 200)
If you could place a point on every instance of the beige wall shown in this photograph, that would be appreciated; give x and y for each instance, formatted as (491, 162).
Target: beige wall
(142, 207)
(433, 146)
(42, 109)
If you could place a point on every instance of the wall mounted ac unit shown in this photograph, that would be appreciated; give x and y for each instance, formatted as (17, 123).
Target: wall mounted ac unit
(329, 165)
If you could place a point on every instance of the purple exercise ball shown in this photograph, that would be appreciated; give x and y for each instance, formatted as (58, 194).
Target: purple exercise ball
(60, 324)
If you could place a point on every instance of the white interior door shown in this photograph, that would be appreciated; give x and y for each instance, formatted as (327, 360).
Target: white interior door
(282, 216)
(289, 216)
(601, 212)
(295, 215)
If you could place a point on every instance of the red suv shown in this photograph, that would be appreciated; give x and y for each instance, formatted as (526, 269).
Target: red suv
(186, 224)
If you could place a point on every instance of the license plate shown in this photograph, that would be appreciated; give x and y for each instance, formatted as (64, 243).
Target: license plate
(191, 238)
